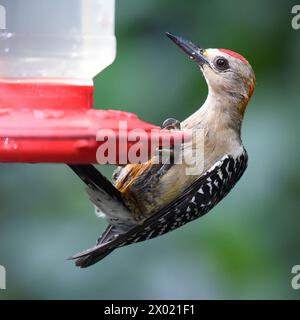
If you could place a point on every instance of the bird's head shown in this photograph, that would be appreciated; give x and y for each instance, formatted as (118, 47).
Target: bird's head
(227, 73)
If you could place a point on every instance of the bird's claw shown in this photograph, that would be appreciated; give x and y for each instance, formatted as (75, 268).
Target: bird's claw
(164, 153)
(171, 124)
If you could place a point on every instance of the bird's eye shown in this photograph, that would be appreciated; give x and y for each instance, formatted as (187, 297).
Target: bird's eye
(222, 64)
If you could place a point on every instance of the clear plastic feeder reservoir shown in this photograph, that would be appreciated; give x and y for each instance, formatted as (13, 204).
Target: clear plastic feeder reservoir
(56, 40)
(50, 50)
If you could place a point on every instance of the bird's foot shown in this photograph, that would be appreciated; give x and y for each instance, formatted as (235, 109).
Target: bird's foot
(166, 154)
(171, 124)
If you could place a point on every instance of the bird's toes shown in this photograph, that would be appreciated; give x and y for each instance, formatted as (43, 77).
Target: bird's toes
(171, 124)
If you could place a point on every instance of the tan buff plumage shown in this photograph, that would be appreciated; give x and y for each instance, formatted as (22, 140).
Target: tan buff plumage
(220, 117)
(151, 199)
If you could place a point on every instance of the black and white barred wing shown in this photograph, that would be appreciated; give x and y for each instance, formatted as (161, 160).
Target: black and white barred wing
(196, 201)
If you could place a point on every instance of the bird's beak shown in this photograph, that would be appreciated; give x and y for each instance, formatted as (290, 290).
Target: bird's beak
(188, 47)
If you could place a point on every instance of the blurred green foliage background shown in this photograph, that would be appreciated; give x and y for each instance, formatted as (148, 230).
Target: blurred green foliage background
(245, 248)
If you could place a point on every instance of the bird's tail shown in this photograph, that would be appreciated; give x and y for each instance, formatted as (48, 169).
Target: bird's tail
(105, 196)
(90, 256)
(91, 259)
(93, 178)
(110, 204)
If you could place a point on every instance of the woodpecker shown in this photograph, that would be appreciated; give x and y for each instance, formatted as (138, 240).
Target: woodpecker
(148, 200)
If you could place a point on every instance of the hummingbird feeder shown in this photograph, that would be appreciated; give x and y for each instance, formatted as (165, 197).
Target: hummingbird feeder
(49, 53)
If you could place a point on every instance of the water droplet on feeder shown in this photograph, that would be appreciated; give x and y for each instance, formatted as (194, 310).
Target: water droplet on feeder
(85, 144)
(48, 114)
(9, 144)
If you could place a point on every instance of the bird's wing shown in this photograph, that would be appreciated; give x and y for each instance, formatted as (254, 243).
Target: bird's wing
(143, 187)
(194, 202)
(107, 199)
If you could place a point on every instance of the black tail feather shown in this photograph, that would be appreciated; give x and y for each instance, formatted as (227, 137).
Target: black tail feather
(91, 259)
(106, 194)
(92, 177)
(90, 256)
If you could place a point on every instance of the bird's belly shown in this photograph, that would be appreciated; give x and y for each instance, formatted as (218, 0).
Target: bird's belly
(151, 198)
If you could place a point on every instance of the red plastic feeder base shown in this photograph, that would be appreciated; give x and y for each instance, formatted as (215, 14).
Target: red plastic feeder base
(55, 123)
